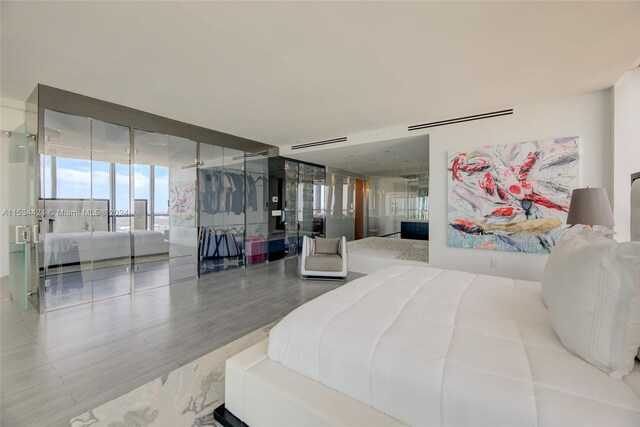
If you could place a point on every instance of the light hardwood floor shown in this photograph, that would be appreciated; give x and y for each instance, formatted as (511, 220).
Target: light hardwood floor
(63, 363)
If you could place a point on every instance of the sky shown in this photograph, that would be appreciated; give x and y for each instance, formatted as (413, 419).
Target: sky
(83, 179)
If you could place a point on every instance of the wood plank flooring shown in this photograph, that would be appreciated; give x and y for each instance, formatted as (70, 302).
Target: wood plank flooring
(63, 363)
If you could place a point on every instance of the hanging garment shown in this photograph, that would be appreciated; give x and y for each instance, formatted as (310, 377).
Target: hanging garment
(232, 192)
(252, 194)
(205, 191)
(237, 197)
(216, 186)
(225, 194)
(218, 244)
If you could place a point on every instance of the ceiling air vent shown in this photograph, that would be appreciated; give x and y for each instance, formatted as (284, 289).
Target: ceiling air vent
(462, 119)
(314, 144)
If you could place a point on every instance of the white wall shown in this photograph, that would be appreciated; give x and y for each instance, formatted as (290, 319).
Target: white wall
(589, 116)
(12, 114)
(626, 145)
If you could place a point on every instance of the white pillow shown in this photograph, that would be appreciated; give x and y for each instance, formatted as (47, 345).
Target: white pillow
(591, 285)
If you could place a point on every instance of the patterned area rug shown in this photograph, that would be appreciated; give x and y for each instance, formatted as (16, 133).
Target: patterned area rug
(184, 397)
(406, 249)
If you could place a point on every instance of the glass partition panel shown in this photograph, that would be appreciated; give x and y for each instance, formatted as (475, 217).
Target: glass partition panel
(222, 201)
(111, 245)
(66, 259)
(257, 208)
(164, 220)
(15, 157)
(275, 200)
(290, 211)
(340, 204)
(393, 200)
(311, 212)
(234, 220)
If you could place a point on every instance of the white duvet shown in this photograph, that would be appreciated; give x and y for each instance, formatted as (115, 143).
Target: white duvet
(438, 347)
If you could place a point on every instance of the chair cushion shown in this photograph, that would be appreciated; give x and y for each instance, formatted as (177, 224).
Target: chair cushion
(327, 246)
(323, 262)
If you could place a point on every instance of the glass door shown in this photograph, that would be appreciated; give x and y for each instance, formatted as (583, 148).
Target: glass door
(109, 222)
(84, 195)
(310, 201)
(257, 208)
(164, 201)
(222, 208)
(19, 219)
(65, 197)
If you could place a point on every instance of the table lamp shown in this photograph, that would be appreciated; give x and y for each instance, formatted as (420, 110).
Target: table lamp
(590, 206)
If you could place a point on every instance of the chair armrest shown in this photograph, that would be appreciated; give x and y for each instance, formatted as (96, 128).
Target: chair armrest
(342, 251)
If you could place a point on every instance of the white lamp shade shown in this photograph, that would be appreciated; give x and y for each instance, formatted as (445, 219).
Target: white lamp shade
(590, 206)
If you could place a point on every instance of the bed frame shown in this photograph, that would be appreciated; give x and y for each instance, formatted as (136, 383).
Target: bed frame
(259, 392)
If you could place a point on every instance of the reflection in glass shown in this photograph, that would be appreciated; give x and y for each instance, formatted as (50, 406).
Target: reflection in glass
(290, 211)
(45, 176)
(17, 197)
(257, 208)
(73, 178)
(165, 236)
(100, 179)
(222, 208)
(310, 202)
(85, 249)
(396, 199)
(66, 258)
(121, 190)
(339, 200)
(111, 245)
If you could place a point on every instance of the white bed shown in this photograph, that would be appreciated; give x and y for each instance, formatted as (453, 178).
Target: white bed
(76, 231)
(422, 346)
(84, 246)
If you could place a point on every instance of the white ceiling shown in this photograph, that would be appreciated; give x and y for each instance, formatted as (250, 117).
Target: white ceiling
(397, 157)
(294, 72)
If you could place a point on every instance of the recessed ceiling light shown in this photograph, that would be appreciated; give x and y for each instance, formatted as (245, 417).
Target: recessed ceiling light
(397, 157)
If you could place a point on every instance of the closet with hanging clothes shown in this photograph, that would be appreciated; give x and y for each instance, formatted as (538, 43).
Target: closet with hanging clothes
(222, 193)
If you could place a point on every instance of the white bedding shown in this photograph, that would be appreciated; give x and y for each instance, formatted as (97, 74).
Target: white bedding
(73, 247)
(438, 347)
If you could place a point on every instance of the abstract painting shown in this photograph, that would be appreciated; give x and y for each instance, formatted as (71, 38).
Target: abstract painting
(512, 197)
(182, 203)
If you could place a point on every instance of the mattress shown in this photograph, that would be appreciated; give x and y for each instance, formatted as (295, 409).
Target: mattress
(439, 347)
(74, 247)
